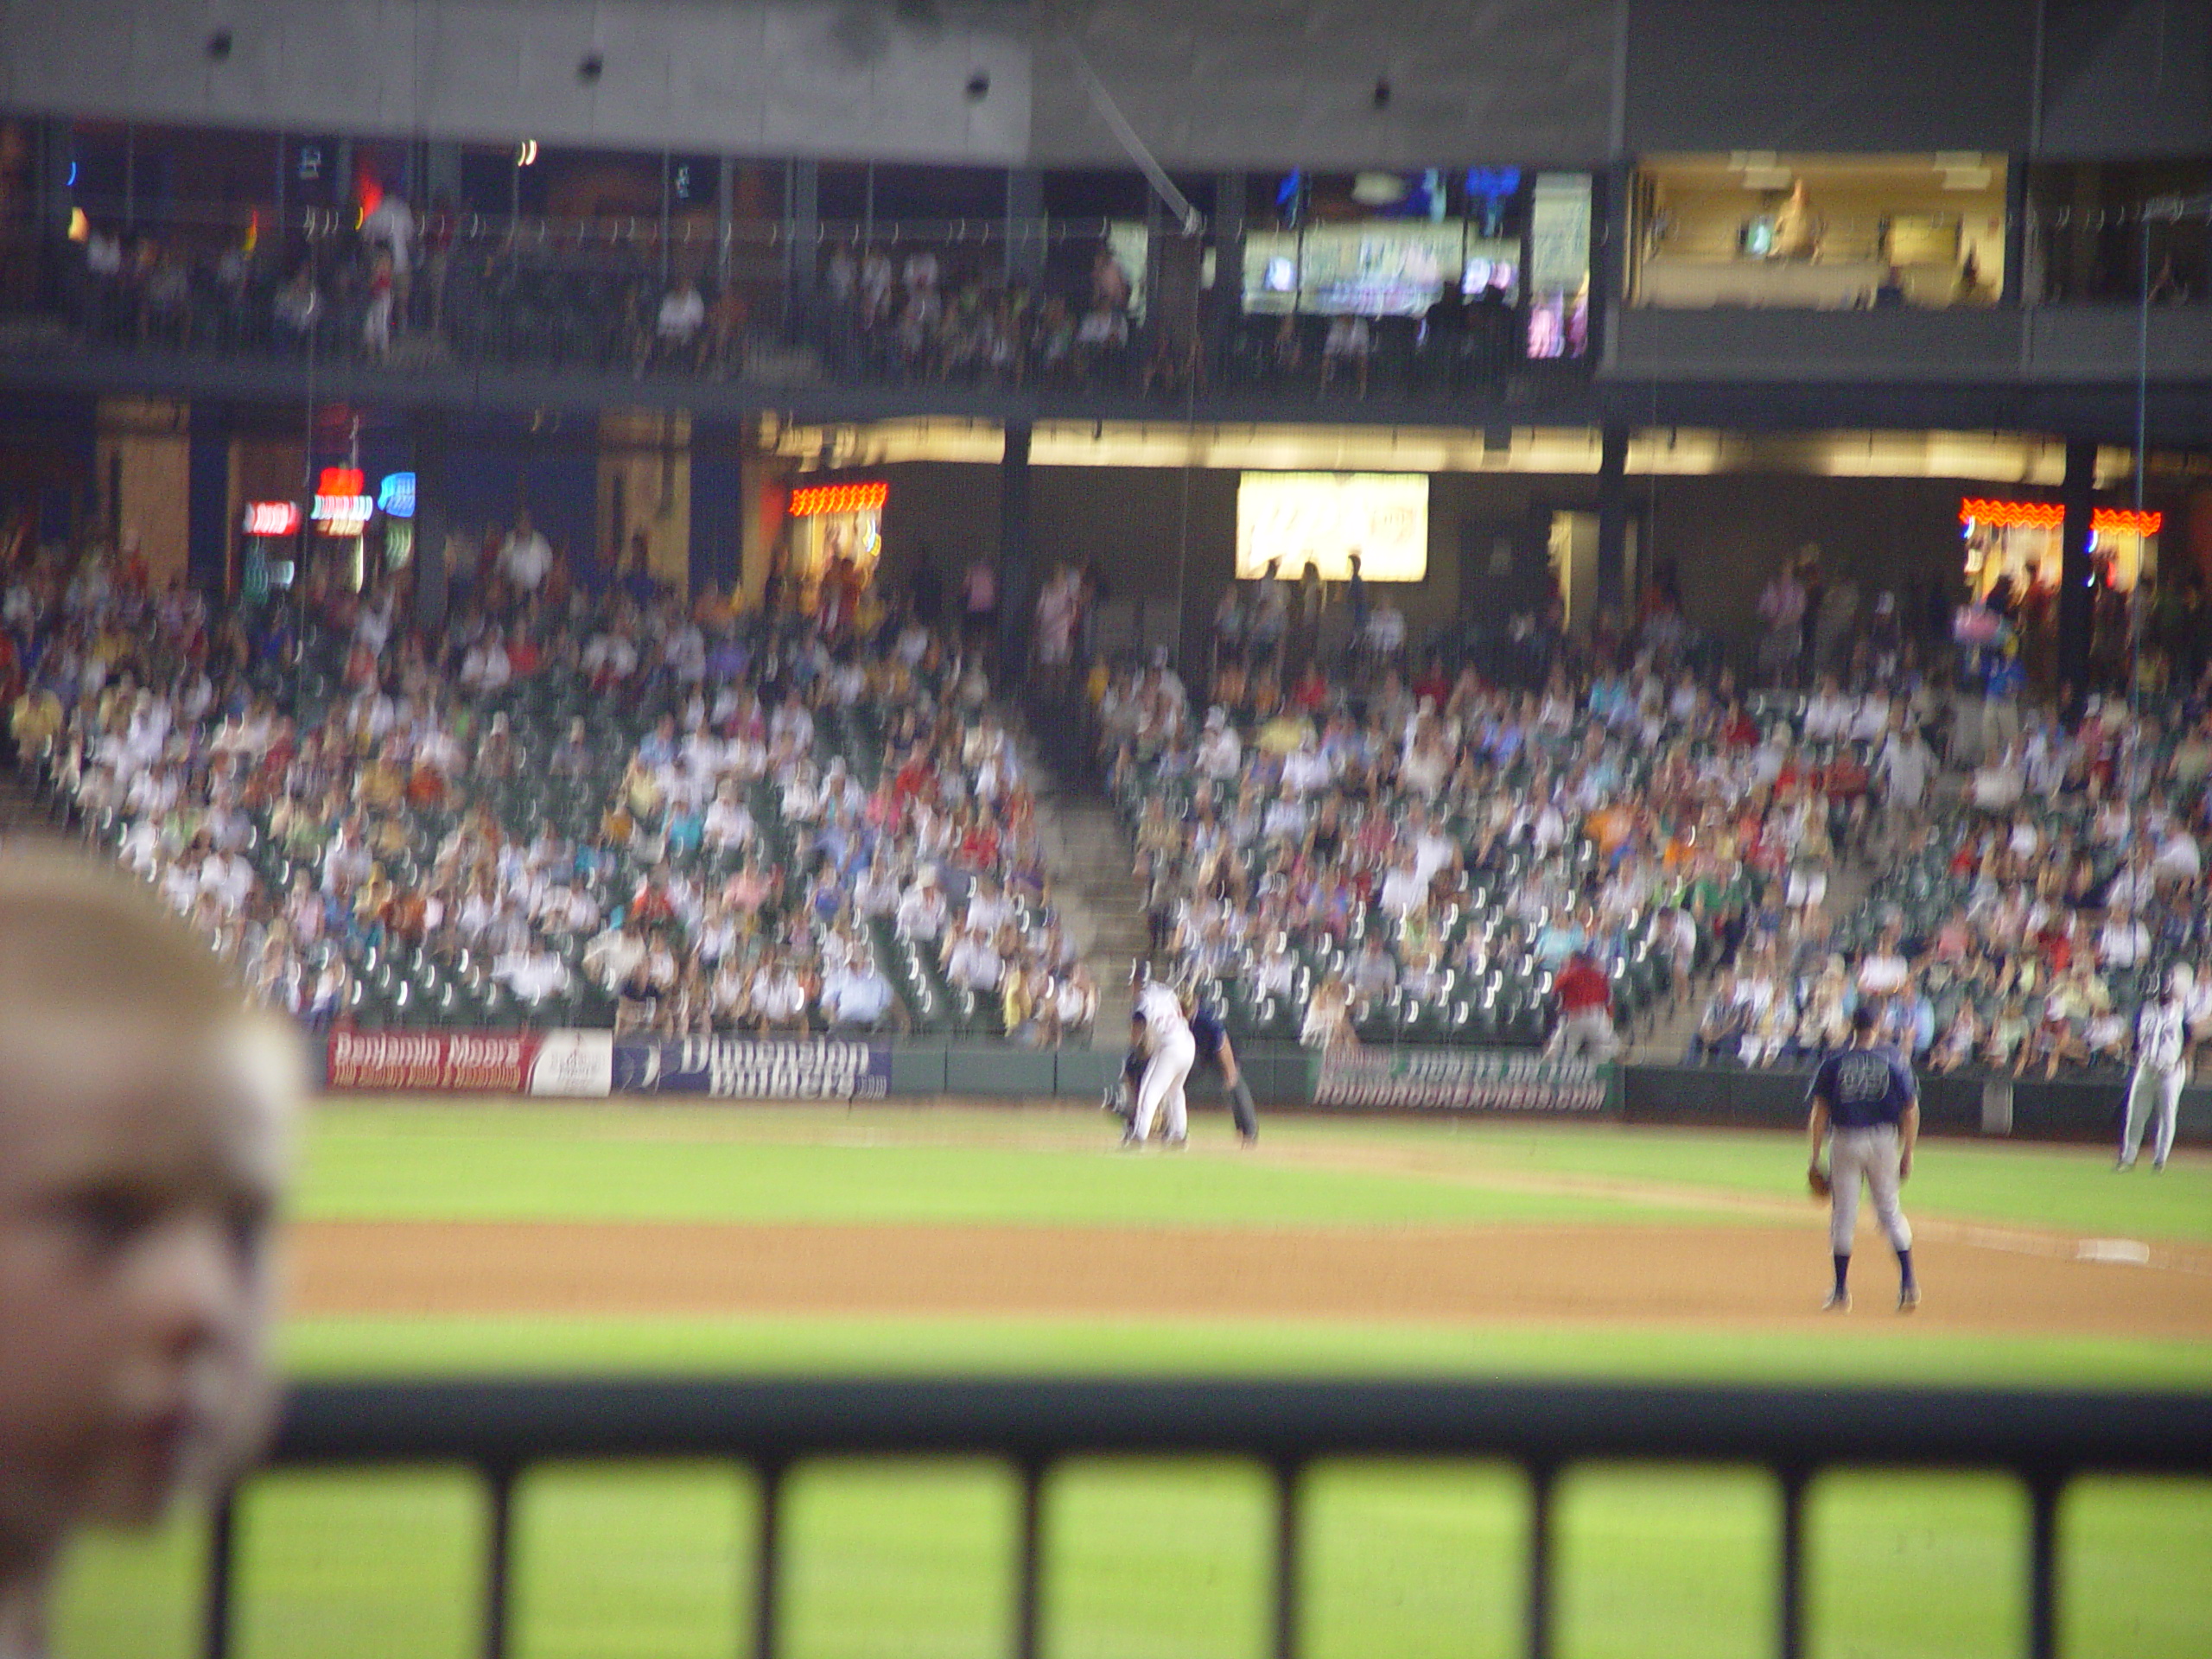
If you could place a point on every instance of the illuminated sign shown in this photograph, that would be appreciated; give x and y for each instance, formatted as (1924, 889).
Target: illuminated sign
(1322, 519)
(818, 499)
(340, 505)
(2050, 515)
(271, 518)
(396, 495)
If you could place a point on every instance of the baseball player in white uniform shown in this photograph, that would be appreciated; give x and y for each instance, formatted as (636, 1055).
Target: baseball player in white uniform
(1158, 1027)
(2161, 1068)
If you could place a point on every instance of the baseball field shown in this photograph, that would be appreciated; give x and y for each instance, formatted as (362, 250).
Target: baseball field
(443, 1239)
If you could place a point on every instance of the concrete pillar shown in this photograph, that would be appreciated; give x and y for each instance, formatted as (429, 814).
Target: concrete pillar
(143, 456)
(648, 453)
(209, 528)
(802, 228)
(1025, 227)
(718, 503)
(2014, 290)
(1017, 591)
(2076, 608)
(433, 520)
(1612, 523)
(1226, 302)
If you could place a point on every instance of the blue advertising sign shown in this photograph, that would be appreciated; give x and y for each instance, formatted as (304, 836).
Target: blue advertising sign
(396, 495)
(743, 1068)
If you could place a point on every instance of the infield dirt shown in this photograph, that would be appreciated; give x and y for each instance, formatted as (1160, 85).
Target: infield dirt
(1976, 1279)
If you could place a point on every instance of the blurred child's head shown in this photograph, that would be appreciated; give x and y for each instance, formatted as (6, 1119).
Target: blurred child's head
(144, 1116)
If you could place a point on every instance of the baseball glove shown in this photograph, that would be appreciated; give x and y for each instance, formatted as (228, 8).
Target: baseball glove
(1817, 1178)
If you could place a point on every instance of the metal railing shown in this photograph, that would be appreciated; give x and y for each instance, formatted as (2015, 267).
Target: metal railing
(501, 1428)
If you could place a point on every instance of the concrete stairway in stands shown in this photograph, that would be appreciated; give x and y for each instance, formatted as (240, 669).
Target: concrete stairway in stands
(22, 812)
(1100, 899)
(1848, 884)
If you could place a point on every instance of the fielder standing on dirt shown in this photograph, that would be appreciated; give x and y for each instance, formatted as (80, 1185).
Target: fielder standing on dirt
(2161, 1068)
(1866, 1106)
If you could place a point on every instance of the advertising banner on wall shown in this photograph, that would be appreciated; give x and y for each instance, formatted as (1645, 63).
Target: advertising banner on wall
(736, 1068)
(570, 1063)
(1516, 1081)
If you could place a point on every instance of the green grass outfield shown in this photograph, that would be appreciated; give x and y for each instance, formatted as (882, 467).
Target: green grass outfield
(1170, 1559)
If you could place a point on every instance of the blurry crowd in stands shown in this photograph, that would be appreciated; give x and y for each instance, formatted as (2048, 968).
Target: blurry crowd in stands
(553, 806)
(1358, 841)
(444, 284)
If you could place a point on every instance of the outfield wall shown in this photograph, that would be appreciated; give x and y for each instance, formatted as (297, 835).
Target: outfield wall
(1517, 1083)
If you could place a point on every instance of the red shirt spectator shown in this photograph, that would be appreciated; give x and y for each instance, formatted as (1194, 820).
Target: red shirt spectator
(1581, 989)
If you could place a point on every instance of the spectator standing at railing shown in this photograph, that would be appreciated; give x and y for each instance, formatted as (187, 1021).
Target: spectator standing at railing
(526, 557)
(389, 229)
(1586, 1012)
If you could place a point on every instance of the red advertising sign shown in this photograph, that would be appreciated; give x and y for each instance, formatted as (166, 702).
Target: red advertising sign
(271, 518)
(434, 1060)
(578, 1063)
(818, 500)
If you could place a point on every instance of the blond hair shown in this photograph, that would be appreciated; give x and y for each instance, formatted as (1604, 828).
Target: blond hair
(78, 933)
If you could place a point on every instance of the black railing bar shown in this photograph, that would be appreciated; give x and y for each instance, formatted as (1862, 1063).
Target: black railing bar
(1290, 1481)
(1028, 1606)
(1790, 1613)
(2042, 1568)
(767, 1559)
(1542, 1479)
(2037, 1435)
(217, 1592)
(498, 1559)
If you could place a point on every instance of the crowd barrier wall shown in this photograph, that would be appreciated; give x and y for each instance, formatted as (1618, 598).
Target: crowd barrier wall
(1495, 1083)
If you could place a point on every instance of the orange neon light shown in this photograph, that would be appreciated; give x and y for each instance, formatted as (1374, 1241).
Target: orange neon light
(2048, 515)
(817, 500)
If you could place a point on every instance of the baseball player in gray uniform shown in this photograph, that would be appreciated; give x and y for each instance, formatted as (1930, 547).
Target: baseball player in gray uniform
(2161, 1068)
(1866, 1106)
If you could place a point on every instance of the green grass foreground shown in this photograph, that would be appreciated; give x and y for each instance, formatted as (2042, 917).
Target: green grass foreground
(1168, 1560)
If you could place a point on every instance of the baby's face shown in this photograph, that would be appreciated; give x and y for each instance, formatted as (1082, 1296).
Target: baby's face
(138, 1183)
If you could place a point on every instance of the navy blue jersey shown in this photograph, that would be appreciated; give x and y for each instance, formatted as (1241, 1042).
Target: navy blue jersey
(1206, 1030)
(1864, 1087)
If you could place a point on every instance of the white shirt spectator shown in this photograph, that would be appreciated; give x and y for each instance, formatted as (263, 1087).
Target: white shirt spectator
(611, 654)
(390, 227)
(729, 824)
(777, 995)
(972, 964)
(922, 912)
(612, 956)
(683, 313)
(1386, 629)
(2178, 857)
(526, 557)
(534, 975)
(1306, 769)
(1075, 1004)
(1871, 719)
(1402, 890)
(486, 668)
(2133, 889)
(2123, 942)
(1828, 717)
(856, 995)
(1882, 972)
